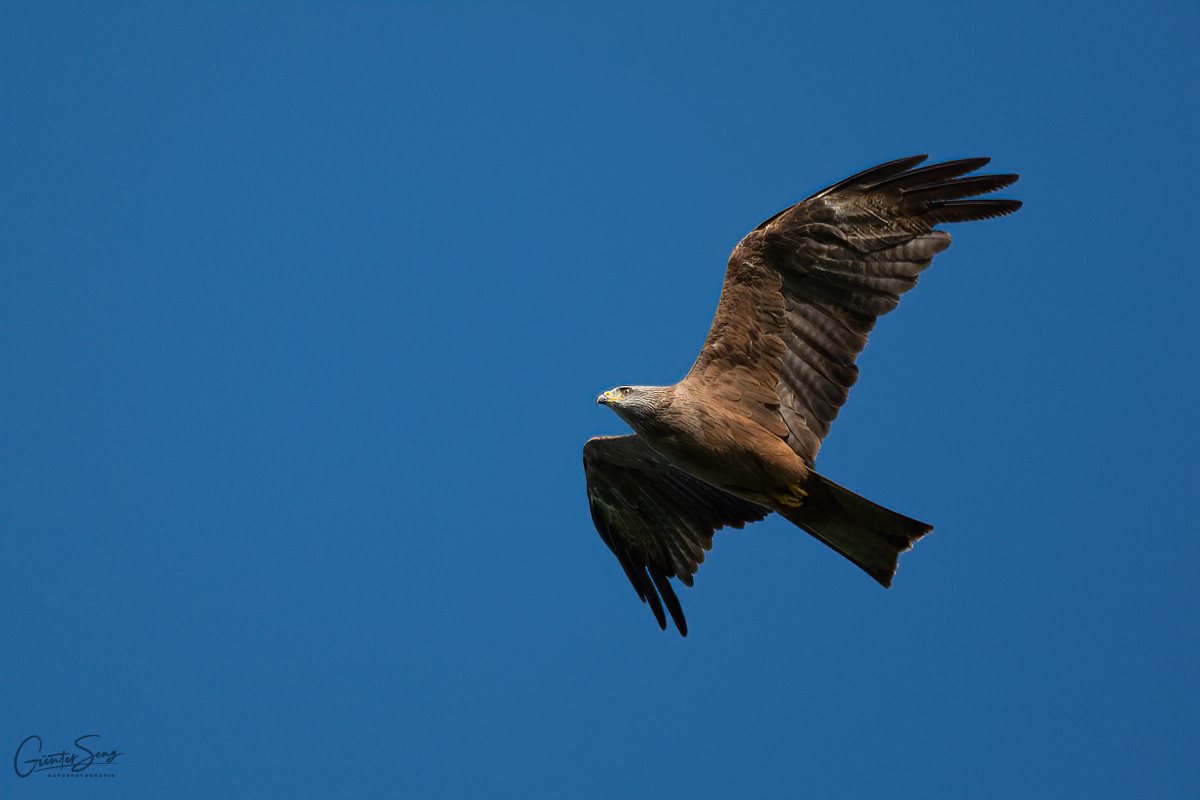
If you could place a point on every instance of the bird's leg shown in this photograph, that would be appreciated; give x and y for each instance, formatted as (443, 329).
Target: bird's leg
(794, 498)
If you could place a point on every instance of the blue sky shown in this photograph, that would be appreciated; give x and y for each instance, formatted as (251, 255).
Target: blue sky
(304, 308)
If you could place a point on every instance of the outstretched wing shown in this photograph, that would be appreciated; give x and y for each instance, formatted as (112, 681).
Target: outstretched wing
(804, 288)
(657, 519)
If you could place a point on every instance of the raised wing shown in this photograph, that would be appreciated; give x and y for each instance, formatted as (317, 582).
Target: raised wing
(804, 288)
(657, 519)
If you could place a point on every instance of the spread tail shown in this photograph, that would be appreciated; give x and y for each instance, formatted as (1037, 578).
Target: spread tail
(868, 534)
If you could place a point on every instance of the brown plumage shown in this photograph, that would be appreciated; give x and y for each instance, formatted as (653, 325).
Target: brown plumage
(737, 438)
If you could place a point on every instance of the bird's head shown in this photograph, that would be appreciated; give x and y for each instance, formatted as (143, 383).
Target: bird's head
(635, 403)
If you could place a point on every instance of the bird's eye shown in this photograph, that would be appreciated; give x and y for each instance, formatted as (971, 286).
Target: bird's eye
(624, 390)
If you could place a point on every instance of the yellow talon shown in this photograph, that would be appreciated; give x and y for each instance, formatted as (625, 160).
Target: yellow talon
(794, 498)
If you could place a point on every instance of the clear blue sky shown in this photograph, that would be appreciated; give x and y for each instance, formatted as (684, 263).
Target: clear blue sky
(304, 309)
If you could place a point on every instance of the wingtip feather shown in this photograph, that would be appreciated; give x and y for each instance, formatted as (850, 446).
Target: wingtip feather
(873, 175)
(968, 210)
(663, 584)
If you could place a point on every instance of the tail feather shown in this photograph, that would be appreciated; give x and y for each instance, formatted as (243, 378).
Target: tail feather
(870, 535)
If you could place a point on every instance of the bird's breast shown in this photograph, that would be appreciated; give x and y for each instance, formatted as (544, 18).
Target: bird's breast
(731, 453)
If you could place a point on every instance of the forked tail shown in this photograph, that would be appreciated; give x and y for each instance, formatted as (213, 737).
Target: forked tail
(868, 534)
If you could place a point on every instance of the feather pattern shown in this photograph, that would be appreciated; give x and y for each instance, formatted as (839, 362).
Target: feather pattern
(842, 258)
(802, 293)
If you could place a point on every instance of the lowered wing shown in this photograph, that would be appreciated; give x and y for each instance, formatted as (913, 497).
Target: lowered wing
(656, 519)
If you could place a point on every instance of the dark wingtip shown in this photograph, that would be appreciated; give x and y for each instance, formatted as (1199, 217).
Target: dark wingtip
(652, 598)
(968, 210)
(663, 584)
(874, 175)
(959, 188)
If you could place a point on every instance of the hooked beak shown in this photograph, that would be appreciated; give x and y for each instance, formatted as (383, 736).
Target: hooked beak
(604, 398)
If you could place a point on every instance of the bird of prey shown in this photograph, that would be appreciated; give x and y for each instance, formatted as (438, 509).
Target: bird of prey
(737, 438)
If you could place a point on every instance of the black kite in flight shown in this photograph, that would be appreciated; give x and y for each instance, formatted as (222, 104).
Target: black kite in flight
(737, 438)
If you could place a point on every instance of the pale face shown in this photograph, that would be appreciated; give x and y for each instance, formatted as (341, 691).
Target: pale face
(634, 404)
(614, 396)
